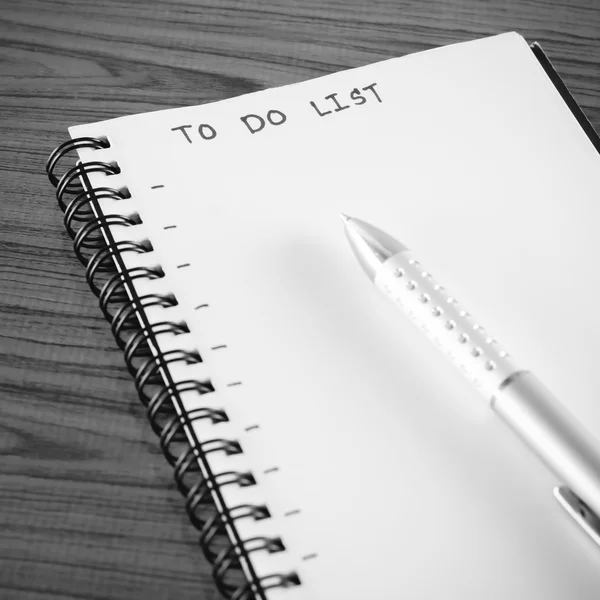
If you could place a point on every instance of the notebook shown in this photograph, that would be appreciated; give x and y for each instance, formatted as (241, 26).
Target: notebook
(324, 449)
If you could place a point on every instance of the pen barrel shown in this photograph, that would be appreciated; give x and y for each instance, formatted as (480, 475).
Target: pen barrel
(567, 448)
(519, 398)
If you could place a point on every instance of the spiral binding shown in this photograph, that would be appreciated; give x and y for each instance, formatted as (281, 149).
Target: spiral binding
(112, 283)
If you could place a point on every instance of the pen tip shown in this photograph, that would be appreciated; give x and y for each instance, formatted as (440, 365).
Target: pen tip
(345, 218)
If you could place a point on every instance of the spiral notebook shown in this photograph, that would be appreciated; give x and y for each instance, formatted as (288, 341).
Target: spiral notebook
(323, 448)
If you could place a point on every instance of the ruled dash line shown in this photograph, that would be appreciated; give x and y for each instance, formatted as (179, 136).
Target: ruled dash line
(156, 187)
(289, 513)
(252, 427)
(183, 265)
(201, 306)
(309, 556)
(219, 347)
(170, 227)
(271, 470)
(234, 383)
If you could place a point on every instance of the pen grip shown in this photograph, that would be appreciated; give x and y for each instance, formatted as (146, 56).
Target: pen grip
(567, 448)
(451, 328)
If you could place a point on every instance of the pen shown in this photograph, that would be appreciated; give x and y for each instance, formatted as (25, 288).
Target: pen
(515, 394)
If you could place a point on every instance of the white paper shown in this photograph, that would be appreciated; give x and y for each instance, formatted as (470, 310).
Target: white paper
(407, 485)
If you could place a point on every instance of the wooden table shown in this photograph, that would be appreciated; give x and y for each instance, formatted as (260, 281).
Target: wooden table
(88, 507)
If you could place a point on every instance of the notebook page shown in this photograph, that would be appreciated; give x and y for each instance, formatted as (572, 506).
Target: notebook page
(386, 475)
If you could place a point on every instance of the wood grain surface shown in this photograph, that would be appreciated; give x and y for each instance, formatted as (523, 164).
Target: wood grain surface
(88, 507)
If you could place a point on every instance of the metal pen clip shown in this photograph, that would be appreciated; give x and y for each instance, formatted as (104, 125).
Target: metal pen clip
(579, 511)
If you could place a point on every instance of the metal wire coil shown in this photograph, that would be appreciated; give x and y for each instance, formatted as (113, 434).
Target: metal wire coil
(122, 307)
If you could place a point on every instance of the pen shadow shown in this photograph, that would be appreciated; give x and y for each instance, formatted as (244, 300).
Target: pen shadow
(454, 427)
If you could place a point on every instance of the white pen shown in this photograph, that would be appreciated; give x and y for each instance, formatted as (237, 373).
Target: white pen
(516, 394)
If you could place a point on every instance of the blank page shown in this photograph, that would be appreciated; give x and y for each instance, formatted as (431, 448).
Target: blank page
(386, 475)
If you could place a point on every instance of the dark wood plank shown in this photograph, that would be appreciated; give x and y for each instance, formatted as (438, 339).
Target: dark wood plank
(87, 504)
